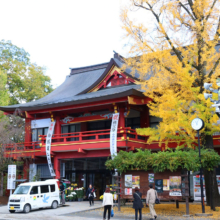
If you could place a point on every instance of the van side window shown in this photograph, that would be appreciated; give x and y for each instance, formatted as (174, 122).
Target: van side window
(44, 189)
(34, 190)
(52, 188)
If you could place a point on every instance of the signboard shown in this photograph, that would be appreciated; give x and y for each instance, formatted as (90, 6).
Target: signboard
(48, 147)
(151, 177)
(135, 181)
(166, 184)
(128, 191)
(40, 123)
(113, 135)
(128, 181)
(159, 185)
(11, 176)
(175, 186)
(197, 189)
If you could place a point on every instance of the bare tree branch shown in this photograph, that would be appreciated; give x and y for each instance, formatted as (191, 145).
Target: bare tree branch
(186, 9)
(210, 11)
(176, 51)
(214, 67)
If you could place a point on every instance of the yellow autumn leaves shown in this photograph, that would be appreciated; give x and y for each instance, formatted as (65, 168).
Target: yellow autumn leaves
(174, 57)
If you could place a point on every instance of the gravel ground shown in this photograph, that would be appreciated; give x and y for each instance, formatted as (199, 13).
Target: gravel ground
(98, 214)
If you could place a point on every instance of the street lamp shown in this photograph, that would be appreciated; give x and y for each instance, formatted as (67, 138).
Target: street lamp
(198, 124)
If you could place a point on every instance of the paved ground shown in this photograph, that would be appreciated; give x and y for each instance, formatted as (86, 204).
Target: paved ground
(75, 211)
(53, 214)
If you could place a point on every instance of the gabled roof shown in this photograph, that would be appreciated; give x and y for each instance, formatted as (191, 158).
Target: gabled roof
(74, 89)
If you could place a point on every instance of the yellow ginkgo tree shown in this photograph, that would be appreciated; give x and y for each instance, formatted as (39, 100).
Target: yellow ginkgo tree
(174, 46)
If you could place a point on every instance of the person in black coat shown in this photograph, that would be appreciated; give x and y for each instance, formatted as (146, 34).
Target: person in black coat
(137, 204)
(90, 194)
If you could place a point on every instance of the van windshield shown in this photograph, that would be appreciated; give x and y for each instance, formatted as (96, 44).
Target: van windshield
(22, 190)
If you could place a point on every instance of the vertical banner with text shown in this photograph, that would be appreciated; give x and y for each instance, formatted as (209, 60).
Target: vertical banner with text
(48, 147)
(113, 135)
(11, 176)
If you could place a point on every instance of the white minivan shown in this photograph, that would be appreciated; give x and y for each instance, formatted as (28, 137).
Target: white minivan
(35, 195)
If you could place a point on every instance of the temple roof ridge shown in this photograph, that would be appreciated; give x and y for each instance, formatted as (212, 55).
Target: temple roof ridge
(88, 68)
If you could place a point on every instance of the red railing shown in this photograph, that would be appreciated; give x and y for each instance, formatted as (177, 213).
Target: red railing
(97, 135)
(74, 137)
(22, 148)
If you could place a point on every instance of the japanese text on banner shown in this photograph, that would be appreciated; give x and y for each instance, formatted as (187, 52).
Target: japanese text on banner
(48, 147)
(113, 135)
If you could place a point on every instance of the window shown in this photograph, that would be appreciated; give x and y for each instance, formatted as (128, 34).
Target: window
(34, 190)
(52, 188)
(133, 122)
(38, 131)
(99, 125)
(22, 190)
(71, 129)
(44, 189)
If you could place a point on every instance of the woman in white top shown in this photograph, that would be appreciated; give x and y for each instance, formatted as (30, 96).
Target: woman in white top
(107, 203)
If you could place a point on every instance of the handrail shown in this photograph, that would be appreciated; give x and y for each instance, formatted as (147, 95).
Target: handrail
(83, 136)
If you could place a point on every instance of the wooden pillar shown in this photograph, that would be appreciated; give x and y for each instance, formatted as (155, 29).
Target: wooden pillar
(56, 167)
(57, 125)
(27, 130)
(84, 126)
(145, 118)
(121, 122)
(26, 169)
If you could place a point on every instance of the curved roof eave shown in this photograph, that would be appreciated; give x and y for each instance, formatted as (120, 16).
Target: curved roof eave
(81, 99)
(112, 62)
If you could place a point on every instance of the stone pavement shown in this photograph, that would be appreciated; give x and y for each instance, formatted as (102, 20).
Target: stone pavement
(52, 214)
(76, 211)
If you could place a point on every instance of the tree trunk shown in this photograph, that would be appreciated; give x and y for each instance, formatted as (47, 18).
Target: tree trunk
(1, 183)
(211, 187)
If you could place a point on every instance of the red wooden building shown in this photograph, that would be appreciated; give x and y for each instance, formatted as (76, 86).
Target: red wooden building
(82, 107)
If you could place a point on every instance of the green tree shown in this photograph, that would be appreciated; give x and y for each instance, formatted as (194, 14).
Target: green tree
(25, 81)
(4, 96)
(11, 134)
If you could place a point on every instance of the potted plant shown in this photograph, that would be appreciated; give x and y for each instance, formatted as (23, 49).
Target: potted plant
(80, 193)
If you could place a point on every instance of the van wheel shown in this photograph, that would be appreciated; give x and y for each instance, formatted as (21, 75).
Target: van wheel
(54, 205)
(27, 208)
(12, 211)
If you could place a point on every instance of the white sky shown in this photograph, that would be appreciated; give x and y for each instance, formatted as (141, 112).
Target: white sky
(63, 34)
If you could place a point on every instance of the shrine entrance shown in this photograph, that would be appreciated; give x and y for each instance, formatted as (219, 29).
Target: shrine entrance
(88, 171)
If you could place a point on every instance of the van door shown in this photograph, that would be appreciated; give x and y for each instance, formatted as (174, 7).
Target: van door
(34, 199)
(54, 194)
(45, 196)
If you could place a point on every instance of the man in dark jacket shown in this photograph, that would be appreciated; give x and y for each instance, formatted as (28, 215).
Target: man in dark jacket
(137, 204)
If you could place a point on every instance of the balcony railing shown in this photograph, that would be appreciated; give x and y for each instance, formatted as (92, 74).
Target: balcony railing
(96, 135)
(77, 137)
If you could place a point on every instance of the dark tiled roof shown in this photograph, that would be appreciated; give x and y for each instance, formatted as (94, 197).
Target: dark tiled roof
(104, 94)
(88, 68)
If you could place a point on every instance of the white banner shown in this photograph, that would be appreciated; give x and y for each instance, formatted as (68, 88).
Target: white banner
(113, 135)
(11, 176)
(48, 147)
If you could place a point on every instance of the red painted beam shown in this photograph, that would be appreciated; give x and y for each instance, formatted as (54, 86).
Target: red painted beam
(84, 105)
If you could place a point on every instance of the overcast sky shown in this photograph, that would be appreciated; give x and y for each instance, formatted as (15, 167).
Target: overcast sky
(63, 34)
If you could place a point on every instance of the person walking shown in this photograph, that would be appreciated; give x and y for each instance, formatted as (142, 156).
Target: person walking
(62, 191)
(137, 204)
(90, 194)
(150, 201)
(107, 203)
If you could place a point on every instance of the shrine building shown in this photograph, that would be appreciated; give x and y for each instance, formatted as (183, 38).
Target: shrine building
(82, 108)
